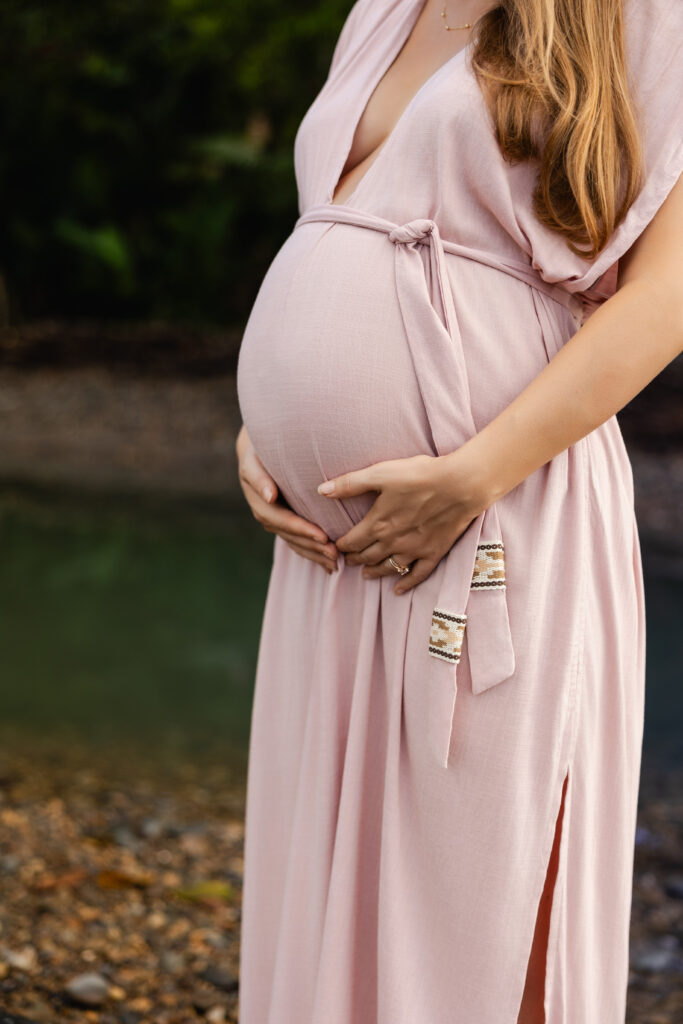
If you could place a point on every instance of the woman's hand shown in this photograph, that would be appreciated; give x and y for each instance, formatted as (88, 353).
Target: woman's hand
(260, 490)
(424, 504)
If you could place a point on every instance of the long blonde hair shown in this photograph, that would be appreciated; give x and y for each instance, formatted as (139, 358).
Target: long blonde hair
(554, 76)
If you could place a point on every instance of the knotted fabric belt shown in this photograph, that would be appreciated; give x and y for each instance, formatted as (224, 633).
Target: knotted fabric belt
(473, 591)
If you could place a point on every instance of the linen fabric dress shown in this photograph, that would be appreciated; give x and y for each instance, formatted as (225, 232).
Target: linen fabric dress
(408, 753)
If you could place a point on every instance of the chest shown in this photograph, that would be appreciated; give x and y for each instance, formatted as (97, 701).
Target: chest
(427, 47)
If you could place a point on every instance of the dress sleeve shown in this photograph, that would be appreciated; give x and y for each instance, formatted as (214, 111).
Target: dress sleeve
(653, 39)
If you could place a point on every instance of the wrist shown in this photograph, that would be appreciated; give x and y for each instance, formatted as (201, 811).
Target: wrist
(471, 475)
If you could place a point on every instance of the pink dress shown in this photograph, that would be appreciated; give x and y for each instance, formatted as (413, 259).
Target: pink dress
(408, 753)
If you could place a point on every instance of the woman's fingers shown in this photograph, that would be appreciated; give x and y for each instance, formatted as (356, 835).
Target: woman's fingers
(261, 491)
(361, 536)
(420, 569)
(361, 543)
(311, 554)
(384, 567)
(313, 546)
(253, 472)
(276, 517)
(253, 475)
(373, 554)
(306, 537)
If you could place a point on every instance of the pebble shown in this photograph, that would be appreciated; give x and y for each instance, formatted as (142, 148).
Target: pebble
(21, 959)
(195, 828)
(172, 962)
(662, 955)
(645, 837)
(88, 989)
(653, 960)
(35, 1010)
(221, 979)
(157, 919)
(203, 1001)
(124, 836)
(143, 1004)
(152, 828)
(673, 886)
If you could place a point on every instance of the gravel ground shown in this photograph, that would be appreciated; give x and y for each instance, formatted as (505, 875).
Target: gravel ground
(120, 885)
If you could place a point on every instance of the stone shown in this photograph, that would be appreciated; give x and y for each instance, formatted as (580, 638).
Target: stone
(220, 978)
(21, 959)
(673, 886)
(89, 989)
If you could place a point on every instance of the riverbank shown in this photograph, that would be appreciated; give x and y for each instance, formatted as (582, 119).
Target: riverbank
(152, 409)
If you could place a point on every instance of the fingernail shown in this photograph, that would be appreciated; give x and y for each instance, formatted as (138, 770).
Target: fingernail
(326, 488)
(267, 493)
(399, 590)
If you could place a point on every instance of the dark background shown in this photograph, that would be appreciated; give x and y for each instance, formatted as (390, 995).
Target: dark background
(146, 165)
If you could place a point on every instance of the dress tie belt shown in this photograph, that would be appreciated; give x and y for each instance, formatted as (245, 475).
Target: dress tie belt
(473, 591)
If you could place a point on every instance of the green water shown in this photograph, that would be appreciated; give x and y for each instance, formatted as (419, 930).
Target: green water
(137, 624)
(128, 622)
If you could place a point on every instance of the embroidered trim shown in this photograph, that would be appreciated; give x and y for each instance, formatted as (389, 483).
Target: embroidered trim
(447, 629)
(445, 638)
(489, 568)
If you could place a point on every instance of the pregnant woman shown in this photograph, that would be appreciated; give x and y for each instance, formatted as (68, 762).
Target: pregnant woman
(447, 722)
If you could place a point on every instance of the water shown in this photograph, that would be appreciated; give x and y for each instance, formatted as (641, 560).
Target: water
(130, 624)
(135, 625)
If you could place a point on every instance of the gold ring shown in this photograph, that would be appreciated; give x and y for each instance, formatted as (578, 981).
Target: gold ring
(400, 569)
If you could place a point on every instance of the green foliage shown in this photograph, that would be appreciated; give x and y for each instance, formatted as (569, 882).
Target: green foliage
(146, 150)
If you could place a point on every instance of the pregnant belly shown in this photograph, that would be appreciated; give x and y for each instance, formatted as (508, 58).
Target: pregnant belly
(325, 379)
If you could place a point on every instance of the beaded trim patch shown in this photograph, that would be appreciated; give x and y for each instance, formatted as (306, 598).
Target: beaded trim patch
(489, 568)
(447, 630)
(445, 638)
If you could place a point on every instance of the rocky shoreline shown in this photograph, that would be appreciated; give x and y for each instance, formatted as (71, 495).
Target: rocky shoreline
(121, 882)
(152, 409)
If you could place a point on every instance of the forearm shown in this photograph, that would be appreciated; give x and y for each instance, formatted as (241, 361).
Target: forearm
(621, 348)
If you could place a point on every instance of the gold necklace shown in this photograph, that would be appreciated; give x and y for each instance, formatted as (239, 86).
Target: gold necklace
(451, 28)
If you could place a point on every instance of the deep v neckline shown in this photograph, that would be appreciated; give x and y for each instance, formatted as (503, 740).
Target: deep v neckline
(366, 95)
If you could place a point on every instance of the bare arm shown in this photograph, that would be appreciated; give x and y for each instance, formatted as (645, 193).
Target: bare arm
(621, 348)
